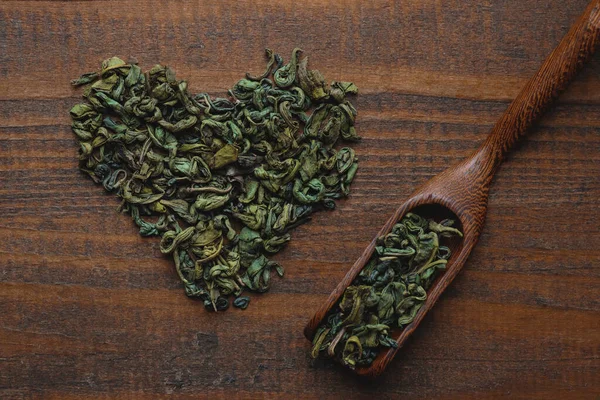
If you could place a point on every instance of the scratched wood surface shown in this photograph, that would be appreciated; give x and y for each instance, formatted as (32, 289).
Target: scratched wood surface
(88, 309)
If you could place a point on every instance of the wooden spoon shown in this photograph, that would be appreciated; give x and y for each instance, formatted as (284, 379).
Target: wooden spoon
(463, 189)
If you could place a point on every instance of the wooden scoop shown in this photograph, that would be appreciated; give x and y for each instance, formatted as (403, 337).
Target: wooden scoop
(462, 190)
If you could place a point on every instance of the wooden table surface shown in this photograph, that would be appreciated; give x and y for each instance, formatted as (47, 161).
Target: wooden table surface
(89, 309)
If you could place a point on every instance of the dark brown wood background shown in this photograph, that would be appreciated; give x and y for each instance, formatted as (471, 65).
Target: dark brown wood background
(88, 309)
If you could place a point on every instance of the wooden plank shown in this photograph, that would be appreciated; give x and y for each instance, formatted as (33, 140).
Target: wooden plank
(88, 309)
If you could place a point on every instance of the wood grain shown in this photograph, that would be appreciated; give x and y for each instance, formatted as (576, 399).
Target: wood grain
(88, 309)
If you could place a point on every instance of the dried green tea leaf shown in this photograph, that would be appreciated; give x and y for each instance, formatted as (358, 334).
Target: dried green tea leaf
(311, 81)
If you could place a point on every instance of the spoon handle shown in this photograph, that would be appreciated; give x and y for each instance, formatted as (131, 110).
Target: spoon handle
(551, 79)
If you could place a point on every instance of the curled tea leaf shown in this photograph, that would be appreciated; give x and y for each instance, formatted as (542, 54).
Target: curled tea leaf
(286, 75)
(339, 90)
(311, 81)
(241, 302)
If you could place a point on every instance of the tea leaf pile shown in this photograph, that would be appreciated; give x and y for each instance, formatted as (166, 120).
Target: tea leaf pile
(387, 293)
(222, 181)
